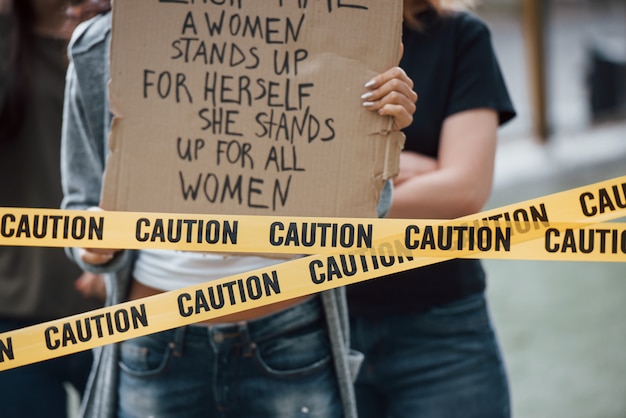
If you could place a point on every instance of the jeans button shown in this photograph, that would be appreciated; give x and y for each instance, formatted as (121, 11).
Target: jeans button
(218, 337)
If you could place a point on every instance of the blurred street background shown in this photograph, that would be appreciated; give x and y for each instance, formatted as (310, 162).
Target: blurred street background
(562, 326)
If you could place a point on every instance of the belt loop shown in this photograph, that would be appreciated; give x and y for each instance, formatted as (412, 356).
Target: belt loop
(178, 342)
(248, 344)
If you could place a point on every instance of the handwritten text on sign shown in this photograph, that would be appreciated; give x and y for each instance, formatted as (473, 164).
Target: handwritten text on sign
(246, 107)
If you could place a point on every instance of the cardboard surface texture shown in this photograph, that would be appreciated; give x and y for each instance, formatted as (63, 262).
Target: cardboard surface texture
(250, 107)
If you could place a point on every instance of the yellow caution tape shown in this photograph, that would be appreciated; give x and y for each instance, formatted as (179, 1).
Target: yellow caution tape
(570, 225)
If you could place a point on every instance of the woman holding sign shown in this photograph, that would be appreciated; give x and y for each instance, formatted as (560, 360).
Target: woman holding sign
(430, 350)
(282, 360)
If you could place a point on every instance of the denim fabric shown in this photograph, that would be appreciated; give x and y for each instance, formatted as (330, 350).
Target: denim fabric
(38, 390)
(278, 366)
(443, 363)
(384, 201)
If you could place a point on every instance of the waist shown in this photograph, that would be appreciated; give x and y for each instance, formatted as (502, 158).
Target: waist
(307, 313)
(139, 290)
(417, 290)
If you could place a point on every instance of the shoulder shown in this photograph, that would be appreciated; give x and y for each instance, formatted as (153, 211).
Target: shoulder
(478, 75)
(469, 33)
(454, 28)
(469, 26)
(91, 34)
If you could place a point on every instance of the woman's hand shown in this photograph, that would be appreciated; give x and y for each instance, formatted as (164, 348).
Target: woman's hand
(97, 256)
(91, 286)
(391, 94)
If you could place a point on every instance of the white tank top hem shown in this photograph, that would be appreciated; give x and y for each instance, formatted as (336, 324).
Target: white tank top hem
(168, 270)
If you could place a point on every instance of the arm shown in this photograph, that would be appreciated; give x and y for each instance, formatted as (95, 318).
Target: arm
(83, 148)
(460, 182)
(413, 164)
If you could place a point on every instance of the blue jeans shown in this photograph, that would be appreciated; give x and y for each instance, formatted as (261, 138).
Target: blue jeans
(278, 366)
(38, 390)
(443, 363)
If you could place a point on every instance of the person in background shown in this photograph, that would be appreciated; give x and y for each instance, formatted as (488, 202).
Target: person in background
(430, 348)
(37, 284)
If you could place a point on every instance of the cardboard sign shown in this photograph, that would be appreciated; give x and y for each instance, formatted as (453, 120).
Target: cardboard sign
(250, 107)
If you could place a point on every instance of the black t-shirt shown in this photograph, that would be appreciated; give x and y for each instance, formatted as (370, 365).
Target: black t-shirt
(453, 65)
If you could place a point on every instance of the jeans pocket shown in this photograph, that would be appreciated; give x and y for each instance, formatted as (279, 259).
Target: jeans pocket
(294, 354)
(145, 356)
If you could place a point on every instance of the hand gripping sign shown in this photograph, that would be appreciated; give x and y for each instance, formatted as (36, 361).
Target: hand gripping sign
(570, 225)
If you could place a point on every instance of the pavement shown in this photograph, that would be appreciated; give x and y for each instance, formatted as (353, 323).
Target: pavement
(561, 325)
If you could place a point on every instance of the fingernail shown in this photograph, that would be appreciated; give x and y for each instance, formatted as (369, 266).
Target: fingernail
(370, 83)
(367, 95)
(368, 104)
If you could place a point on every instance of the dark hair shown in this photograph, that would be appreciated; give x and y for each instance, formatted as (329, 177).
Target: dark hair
(21, 40)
